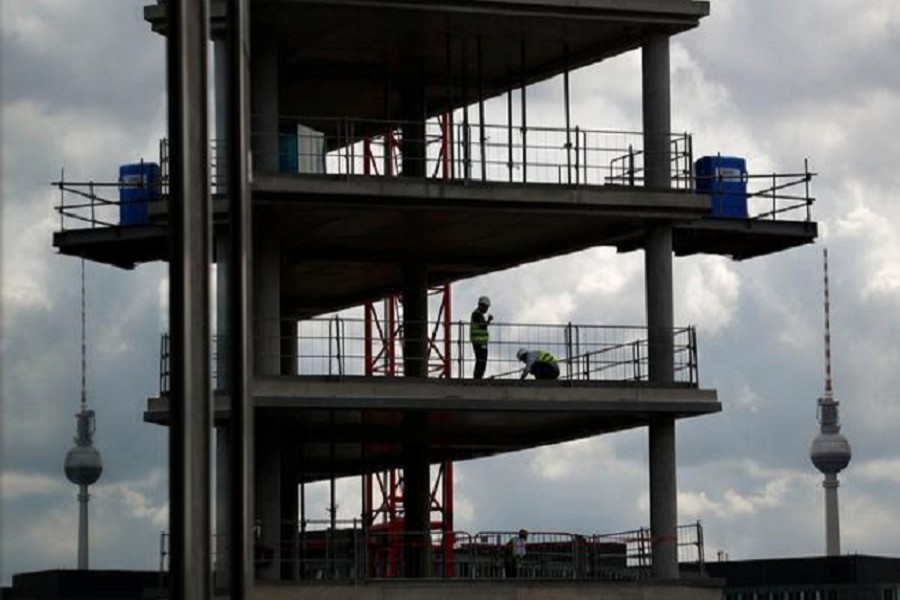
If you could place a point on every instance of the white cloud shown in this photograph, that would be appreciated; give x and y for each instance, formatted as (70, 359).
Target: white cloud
(881, 259)
(707, 293)
(749, 400)
(881, 470)
(19, 485)
(137, 499)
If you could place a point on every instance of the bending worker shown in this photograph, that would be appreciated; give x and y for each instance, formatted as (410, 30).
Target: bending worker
(538, 363)
(479, 336)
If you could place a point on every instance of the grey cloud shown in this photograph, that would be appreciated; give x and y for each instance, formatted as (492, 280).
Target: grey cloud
(790, 83)
(98, 57)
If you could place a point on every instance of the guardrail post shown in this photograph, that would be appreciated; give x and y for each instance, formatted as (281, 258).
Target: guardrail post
(630, 165)
(695, 366)
(774, 196)
(93, 197)
(806, 179)
(339, 332)
(585, 146)
(62, 200)
(460, 352)
(577, 155)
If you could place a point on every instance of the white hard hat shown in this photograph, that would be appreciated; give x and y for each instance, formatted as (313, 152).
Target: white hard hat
(521, 352)
(484, 300)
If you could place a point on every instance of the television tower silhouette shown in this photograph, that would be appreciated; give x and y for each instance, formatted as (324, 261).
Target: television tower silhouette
(830, 451)
(83, 462)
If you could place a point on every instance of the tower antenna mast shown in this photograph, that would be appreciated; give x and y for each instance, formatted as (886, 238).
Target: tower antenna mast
(830, 451)
(829, 393)
(83, 464)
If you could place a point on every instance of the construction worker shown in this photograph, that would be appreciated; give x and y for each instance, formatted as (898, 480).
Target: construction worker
(516, 554)
(478, 335)
(539, 363)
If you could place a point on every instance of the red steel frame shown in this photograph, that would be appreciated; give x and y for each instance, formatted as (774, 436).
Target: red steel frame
(383, 337)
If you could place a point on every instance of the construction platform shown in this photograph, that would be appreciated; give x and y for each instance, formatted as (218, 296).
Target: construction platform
(344, 239)
(339, 56)
(697, 589)
(369, 419)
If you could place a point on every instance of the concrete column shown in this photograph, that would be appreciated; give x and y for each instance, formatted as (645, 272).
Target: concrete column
(264, 104)
(223, 534)
(268, 502)
(220, 83)
(288, 540)
(656, 111)
(832, 515)
(223, 444)
(289, 347)
(663, 499)
(660, 305)
(417, 497)
(222, 542)
(413, 132)
(416, 470)
(415, 317)
(660, 311)
(266, 298)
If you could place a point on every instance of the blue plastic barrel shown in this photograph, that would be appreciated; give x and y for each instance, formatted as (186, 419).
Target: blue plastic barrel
(138, 186)
(725, 179)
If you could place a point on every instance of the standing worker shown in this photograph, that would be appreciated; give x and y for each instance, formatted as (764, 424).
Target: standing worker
(516, 558)
(478, 335)
(539, 363)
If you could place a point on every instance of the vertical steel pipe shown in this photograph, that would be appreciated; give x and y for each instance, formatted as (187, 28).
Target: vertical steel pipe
(524, 117)
(481, 135)
(509, 131)
(568, 116)
(189, 299)
(239, 345)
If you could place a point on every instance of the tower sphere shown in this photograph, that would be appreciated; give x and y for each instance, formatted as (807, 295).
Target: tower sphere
(830, 452)
(83, 465)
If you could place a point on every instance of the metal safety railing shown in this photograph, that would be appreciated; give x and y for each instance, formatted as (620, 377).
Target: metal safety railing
(445, 151)
(462, 151)
(340, 346)
(97, 204)
(762, 196)
(352, 550)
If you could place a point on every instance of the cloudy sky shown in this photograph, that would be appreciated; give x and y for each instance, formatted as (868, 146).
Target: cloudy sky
(82, 87)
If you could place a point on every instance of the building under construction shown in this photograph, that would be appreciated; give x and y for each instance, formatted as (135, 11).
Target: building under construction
(353, 160)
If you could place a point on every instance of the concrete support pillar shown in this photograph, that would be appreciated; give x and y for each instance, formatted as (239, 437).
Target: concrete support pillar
(223, 486)
(222, 453)
(289, 347)
(663, 499)
(832, 515)
(266, 298)
(288, 537)
(656, 111)
(220, 83)
(416, 471)
(415, 317)
(417, 498)
(660, 305)
(223, 444)
(413, 132)
(660, 311)
(264, 104)
(268, 503)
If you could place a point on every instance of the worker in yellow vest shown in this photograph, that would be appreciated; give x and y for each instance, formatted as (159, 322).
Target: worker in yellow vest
(539, 363)
(479, 336)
